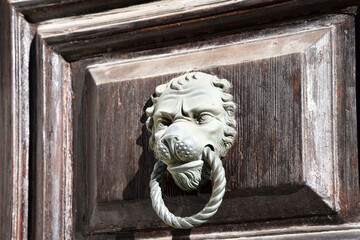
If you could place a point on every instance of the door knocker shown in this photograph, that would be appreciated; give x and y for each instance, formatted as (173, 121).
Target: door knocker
(192, 126)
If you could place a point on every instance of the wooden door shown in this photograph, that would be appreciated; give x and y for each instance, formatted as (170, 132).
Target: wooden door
(77, 77)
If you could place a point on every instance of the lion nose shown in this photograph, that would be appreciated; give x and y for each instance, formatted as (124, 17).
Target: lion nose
(169, 141)
(186, 150)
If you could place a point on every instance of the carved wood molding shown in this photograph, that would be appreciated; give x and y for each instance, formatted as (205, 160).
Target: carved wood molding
(142, 27)
(37, 11)
(300, 46)
(42, 10)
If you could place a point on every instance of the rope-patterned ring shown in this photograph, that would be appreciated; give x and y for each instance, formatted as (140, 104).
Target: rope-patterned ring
(218, 191)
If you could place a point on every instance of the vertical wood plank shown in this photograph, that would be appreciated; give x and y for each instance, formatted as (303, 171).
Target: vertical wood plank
(6, 127)
(14, 122)
(347, 192)
(54, 146)
(23, 34)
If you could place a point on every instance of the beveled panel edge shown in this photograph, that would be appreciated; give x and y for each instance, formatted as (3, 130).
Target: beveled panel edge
(36, 11)
(41, 10)
(75, 42)
(97, 72)
(114, 217)
(318, 121)
(123, 18)
(296, 42)
(178, 11)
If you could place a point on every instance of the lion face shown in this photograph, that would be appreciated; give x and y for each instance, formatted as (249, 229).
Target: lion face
(188, 115)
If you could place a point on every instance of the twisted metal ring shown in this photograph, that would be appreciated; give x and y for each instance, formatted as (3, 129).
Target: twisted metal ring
(218, 191)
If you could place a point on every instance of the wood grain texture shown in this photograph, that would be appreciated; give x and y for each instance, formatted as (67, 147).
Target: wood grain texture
(14, 123)
(37, 11)
(345, 108)
(295, 234)
(116, 100)
(53, 146)
(285, 101)
(318, 122)
(6, 113)
(41, 10)
(267, 151)
(83, 36)
(57, 127)
(136, 17)
(308, 232)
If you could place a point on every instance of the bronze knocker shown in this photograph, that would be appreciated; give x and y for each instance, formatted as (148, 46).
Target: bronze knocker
(192, 126)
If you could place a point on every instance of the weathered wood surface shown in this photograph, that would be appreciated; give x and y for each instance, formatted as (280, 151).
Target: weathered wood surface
(346, 119)
(294, 234)
(122, 91)
(41, 10)
(53, 185)
(6, 143)
(15, 41)
(144, 26)
(284, 90)
(56, 107)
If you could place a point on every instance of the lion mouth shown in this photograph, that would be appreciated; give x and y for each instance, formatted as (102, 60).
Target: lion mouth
(187, 175)
(179, 167)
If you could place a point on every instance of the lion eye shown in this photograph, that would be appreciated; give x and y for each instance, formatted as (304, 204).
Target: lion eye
(204, 118)
(164, 122)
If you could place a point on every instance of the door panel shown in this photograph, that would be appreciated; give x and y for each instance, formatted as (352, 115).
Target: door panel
(283, 162)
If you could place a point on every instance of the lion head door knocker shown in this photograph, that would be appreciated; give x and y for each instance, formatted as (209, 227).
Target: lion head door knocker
(192, 126)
